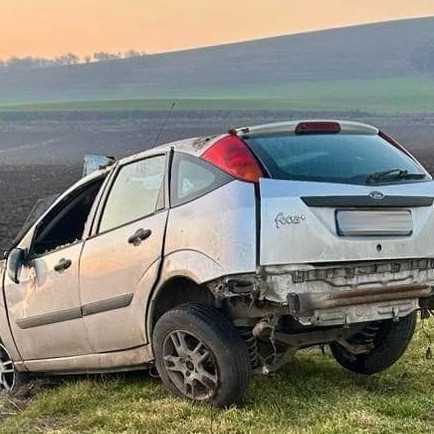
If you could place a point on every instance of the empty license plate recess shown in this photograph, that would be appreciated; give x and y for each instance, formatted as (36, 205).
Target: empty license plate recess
(353, 223)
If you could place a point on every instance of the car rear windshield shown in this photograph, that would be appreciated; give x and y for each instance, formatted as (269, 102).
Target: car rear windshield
(340, 158)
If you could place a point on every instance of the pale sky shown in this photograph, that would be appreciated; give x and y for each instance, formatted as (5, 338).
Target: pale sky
(52, 27)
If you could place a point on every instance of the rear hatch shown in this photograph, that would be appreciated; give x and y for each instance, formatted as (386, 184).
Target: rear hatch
(304, 222)
(342, 195)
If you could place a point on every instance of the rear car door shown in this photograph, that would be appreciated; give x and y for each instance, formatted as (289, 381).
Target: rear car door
(120, 261)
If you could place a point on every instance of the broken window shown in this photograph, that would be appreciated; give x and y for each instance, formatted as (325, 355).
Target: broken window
(65, 223)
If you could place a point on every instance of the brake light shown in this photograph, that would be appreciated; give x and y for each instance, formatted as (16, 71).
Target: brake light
(232, 155)
(318, 128)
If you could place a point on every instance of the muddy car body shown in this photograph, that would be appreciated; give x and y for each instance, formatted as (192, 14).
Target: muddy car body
(216, 257)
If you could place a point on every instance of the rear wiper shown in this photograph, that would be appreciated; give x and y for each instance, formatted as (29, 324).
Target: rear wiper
(393, 174)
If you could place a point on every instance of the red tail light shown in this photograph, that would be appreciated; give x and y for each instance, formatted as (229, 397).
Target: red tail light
(318, 128)
(232, 155)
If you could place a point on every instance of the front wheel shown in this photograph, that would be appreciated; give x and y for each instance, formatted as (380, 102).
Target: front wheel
(10, 378)
(388, 341)
(200, 355)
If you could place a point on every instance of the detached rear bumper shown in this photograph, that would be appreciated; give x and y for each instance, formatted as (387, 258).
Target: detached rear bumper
(356, 305)
(351, 293)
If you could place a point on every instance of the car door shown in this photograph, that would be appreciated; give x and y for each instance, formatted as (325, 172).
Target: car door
(44, 307)
(120, 261)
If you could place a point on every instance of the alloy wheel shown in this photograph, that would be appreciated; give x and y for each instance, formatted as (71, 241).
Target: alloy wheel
(7, 371)
(190, 365)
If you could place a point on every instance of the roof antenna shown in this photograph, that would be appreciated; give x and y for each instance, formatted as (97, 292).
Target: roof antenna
(164, 124)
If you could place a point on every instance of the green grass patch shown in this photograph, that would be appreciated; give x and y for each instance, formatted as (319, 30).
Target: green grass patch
(311, 395)
(378, 96)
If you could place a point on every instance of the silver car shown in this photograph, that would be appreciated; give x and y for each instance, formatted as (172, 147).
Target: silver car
(214, 258)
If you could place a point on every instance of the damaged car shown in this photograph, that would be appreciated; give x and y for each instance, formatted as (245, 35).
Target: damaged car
(214, 258)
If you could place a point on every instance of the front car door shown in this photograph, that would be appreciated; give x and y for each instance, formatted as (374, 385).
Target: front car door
(121, 259)
(45, 307)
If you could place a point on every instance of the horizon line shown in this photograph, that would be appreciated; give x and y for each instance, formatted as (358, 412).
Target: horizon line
(235, 42)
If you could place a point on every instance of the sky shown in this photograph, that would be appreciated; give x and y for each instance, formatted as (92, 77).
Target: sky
(52, 27)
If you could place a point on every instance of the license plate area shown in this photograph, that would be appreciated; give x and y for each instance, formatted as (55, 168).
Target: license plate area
(365, 223)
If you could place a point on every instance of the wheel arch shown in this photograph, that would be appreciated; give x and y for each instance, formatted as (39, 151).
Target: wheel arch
(173, 292)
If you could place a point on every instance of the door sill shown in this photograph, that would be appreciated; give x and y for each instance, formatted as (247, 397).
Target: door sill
(125, 360)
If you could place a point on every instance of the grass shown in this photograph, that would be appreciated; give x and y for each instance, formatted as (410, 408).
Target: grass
(378, 96)
(311, 395)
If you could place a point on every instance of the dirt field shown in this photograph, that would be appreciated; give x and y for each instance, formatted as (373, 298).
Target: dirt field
(41, 153)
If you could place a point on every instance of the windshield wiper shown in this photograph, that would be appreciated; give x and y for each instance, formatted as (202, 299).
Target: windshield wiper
(393, 174)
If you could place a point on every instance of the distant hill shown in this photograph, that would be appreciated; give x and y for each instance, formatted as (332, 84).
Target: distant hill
(270, 67)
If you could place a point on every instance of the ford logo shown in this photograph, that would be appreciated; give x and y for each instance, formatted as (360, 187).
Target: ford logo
(376, 195)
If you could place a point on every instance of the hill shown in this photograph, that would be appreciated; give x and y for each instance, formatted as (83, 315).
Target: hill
(329, 62)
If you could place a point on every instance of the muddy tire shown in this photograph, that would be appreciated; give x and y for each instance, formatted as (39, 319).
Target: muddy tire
(11, 380)
(389, 340)
(200, 355)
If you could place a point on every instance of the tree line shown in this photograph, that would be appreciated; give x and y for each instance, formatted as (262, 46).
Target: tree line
(30, 62)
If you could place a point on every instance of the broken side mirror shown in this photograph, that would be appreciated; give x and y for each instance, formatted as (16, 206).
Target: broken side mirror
(16, 259)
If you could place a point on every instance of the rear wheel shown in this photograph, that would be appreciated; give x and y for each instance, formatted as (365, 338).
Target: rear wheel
(200, 355)
(388, 341)
(10, 378)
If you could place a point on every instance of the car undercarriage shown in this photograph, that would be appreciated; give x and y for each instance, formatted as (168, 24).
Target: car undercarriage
(286, 308)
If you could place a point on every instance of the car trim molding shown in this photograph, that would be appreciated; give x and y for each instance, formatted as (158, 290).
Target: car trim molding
(93, 308)
(49, 318)
(368, 201)
(107, 304)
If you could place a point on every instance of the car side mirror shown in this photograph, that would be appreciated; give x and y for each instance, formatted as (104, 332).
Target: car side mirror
(16, 259)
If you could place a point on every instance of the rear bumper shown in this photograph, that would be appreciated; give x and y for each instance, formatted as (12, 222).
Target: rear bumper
(351, 292)
(302, 303)
(358, 305)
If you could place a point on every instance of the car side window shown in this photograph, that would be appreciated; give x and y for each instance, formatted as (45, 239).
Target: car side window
(65, 223)
(135, 193)
(192, 178)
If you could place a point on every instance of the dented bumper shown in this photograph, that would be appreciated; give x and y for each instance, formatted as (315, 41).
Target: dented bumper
(350, 293)
(335, 294)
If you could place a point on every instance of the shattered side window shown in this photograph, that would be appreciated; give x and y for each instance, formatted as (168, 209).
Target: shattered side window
(38, 209)
(135, 192)
(94, 162)
(65, 223)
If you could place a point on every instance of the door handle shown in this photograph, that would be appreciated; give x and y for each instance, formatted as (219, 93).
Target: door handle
(139, 236)
(62, 265)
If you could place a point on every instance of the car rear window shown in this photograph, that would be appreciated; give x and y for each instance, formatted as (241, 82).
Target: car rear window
(340, 158)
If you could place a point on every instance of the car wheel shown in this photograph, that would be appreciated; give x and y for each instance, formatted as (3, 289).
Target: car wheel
(388, 341)
(10, 378)
(200, 355)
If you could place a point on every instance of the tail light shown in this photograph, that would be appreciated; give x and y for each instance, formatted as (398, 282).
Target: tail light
(232, 155)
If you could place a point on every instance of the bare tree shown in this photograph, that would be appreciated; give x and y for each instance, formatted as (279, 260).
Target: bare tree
(28, 62)
(102, 56)
(134, 53)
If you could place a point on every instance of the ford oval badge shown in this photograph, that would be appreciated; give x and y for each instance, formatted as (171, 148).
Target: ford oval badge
(376, 195)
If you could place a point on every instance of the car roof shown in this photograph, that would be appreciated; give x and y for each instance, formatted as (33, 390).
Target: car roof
(197, 145)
